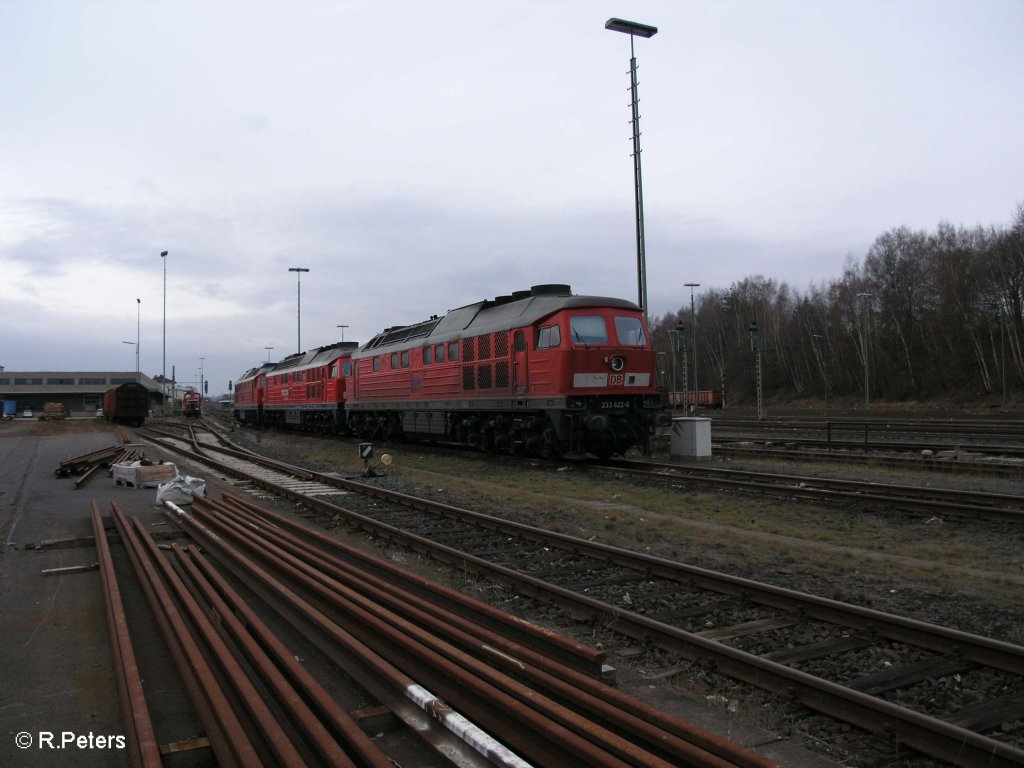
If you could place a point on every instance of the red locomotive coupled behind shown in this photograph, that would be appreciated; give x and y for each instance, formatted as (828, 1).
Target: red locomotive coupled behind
(540, 372)
(192, 405)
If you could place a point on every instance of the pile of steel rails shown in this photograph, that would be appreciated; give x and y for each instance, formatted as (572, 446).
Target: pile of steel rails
(478, 685)
(86, 465)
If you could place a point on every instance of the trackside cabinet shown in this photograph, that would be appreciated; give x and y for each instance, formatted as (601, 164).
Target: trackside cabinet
(691, 437)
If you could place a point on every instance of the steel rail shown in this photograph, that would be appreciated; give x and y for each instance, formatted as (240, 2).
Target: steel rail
(998, 427)
(228, 739)
(272, 670)
(875, 443)
(921, 498)
(440, 600)
(143, 750)
(931, 736)
(907, 497)
(279, 743)
(68, 466)
(428, 716)
(227, 601)
(915, 463)
(614, 708)
(941, 639)
(86, 475)
(530, 723)
(579, 654)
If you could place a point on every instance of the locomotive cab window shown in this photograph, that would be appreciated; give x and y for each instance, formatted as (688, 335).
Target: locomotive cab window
(630, 331)
(334, 371)
(346, 368)
(588, 329)
(548, 337)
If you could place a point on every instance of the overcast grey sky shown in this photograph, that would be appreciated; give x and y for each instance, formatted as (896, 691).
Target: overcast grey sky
(417, 157)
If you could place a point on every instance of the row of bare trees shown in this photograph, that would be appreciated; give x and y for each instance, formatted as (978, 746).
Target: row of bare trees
(926, 315)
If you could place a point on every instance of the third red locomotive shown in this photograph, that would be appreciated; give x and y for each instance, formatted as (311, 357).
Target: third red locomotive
(192, 404)
(540, 372)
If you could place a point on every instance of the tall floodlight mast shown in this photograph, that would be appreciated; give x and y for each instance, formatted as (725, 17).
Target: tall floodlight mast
(633, 29)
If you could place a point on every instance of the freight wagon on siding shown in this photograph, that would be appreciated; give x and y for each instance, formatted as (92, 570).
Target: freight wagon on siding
(126, 404)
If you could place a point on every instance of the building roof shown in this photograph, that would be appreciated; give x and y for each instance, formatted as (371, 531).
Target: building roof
(69, 382)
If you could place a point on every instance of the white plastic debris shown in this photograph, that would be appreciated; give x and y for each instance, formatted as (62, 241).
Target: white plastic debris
(180, 490)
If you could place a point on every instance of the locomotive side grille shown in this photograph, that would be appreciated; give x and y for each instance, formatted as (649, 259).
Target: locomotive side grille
(468, 377)
(469, 350)
(501, 343)
(485, 346)
(501, 379)
(483, 374)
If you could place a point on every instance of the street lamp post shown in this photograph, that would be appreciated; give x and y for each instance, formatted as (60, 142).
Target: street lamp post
(633, 29)
(298, 276)
(756, 345)
(824, 365)
(864, 343)
(1002, 345)
(674, 334)
(343, 327)
(693, 330)
(202, 372)
(138, 331)
(163, 373)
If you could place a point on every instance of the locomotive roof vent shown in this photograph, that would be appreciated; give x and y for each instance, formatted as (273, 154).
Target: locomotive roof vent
(499, 300)
(551, 289)
(517, 295)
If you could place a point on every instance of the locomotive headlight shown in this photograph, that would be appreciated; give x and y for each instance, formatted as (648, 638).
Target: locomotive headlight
(618, 363)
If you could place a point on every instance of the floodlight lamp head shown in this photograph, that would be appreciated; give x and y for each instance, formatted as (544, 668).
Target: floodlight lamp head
(630, 28)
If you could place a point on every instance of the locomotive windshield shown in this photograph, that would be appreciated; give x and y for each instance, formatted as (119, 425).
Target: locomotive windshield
(630, 331)
(588, 329)
(593, 329)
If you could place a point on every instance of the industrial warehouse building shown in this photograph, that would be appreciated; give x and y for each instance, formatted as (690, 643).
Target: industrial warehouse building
(80, 392)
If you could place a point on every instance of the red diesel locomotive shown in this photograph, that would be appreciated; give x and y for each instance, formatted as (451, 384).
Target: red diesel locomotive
(192, 405)
(539, 372)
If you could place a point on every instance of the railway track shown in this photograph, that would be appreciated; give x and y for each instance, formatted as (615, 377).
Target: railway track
(997, 438)
(900, 498)
(947, 694)
(957, 464)
(417, 647)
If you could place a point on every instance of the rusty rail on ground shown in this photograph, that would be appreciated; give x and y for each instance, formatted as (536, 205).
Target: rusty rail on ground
(545, 711)
(143, 751)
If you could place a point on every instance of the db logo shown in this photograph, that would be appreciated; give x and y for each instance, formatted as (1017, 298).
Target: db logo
(616, 379)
